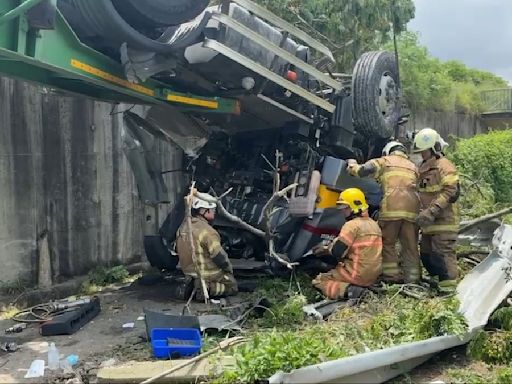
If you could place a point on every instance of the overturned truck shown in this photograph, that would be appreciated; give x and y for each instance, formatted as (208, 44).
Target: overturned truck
(293, 120)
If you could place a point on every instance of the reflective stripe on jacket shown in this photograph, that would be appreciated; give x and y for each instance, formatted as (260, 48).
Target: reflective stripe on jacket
(398, 177)
(362, 264)
(207, 245)
(438, 184)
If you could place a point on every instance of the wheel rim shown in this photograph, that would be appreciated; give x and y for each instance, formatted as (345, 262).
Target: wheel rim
(388, 96)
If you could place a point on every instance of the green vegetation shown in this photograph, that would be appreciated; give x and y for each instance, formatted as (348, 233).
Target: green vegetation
(499, 375)
(495, 347)
(485, 165)
(101, 277)
(285, 340)
(492, 347)
(430, 84)
(348, 27)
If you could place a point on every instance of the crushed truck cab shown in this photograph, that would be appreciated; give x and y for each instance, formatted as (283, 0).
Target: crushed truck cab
(242, 92)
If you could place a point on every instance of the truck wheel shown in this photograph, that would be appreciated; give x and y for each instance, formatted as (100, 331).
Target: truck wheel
(376, 94)
(159, 13)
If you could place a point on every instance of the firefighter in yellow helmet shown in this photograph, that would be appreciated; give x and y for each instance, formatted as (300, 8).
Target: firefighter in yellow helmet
(439, 217)
(209, 262)
(357, 250)
(398, 177)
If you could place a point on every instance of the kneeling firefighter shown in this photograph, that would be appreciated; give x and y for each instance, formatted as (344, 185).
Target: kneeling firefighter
(210, 262)
(357, 250)
(439, 217)
(398, 177)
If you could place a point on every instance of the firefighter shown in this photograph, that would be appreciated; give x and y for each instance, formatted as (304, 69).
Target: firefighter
(398, 177)
(357, 250)
(438, 218)
(210, 262)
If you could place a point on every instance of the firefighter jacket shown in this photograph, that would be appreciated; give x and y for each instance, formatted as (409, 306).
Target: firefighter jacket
(439, 188)
(207, 246)
(398, 177)
(362, 263)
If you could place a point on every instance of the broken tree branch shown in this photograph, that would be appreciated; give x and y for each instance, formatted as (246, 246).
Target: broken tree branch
(467, 225)
(267, 213)
(282, 193)
(222, 345)
(282, 259)
(224, 212)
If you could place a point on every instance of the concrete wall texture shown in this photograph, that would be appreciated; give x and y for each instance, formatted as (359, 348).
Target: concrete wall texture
(447, 123)
(62, 170)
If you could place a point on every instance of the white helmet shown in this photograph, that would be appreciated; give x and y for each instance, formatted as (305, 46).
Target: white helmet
(425, 139)
(393, 146)
(200, 203)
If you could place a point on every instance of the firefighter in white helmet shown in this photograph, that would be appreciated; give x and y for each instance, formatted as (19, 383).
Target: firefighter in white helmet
(398, 212)
(210, 262)
(439, 217)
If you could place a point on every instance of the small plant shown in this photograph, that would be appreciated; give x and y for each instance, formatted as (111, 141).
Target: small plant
(463, 376)
(492, 347)
(504, 375)
(15, 287)
(502, 318)
(101, 277)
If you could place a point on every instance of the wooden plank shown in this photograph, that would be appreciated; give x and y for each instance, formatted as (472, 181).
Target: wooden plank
(135, 372)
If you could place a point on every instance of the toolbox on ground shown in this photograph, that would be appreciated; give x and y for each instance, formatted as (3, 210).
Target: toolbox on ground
(175, 342)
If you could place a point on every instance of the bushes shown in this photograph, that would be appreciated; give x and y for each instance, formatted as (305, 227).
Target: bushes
(430, 84)
(485, 164)
(378, 322)
(495, 347)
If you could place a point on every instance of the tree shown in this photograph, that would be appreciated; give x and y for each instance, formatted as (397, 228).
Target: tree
(428, 83)
(348, 27)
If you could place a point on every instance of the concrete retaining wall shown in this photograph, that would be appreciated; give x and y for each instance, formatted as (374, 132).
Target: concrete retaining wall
(62, 170)
(447, 123)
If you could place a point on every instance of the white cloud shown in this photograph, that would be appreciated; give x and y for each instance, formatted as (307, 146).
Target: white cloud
(476, 32)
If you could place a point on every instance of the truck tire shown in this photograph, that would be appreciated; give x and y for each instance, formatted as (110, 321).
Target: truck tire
(376, 94)
(159, 13)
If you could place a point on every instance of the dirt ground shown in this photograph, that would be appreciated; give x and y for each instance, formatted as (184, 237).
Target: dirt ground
(105, 341)
(100, 340)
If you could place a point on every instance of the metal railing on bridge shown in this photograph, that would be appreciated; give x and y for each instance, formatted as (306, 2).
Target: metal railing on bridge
(497, 100)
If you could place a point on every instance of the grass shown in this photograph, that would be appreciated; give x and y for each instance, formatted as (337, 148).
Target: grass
(8, 312)
(15, 287)
(102, 277)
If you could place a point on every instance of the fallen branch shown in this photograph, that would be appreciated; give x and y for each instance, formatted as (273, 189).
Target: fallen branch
(467, 225)
(224, 212)
(267, 213)
(222, 345)
(282, 259)
(282, 193)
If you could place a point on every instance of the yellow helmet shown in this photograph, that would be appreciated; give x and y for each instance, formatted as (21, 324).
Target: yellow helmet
(426, 139)
(354, 198)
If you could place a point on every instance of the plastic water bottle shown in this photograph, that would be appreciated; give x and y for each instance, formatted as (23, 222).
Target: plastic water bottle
(53, 357)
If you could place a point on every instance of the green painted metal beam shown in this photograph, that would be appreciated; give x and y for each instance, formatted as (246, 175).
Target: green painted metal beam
(57, 58)
(19, 10)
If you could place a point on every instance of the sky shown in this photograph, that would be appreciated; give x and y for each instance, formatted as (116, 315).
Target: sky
(476, 32)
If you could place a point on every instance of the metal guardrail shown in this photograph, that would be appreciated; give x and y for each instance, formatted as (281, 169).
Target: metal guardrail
(497, 100)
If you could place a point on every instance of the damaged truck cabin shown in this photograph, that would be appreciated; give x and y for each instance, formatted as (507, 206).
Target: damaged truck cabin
(296, 124)
(250, 99)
